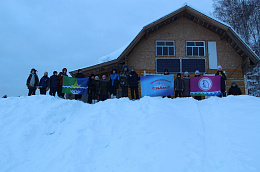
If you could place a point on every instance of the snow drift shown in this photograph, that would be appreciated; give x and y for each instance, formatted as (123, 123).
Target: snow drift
(43, 133)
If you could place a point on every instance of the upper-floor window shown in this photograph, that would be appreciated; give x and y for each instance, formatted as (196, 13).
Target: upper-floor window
(195, 48)
(165, 48)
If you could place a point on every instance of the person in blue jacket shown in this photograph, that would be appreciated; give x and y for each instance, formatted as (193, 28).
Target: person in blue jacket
(44, 84)
(114, 83)
(54, 83)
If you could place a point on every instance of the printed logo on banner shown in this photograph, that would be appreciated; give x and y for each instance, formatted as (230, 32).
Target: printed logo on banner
(205, 83)
(161, 85)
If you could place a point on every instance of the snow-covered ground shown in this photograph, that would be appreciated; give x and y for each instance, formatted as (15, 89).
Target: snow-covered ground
(47, 134)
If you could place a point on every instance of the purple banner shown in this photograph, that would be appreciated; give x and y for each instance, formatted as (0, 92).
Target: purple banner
(205, 86)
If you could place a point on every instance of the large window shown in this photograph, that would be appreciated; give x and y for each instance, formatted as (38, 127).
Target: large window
(195, 48)
(181, 65)
(165, 48)
(191, 65)
(173, 65)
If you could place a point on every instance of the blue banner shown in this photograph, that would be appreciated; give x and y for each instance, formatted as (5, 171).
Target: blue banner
(161, 85)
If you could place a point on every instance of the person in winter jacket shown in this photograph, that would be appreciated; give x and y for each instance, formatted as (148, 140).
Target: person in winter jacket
(104, 87)
(79, 75)
(186, 85)
(54, 83)
(60, 77)
(91, 88)
(178, 86)
(234, 89)
(32, 82)
(223, 81)
(197, 74)
(123, 80)
(97, 89)
(44, 84)
(133, 83)
(166, 72)
(113, 83)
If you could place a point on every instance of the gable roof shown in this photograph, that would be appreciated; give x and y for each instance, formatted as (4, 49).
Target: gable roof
(223, 30)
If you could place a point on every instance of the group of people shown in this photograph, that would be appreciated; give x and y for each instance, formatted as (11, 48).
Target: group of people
(98, 89)
(102, 89)
(182, 85)
(54, 83)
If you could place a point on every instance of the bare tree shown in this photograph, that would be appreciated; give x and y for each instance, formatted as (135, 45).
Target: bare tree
(243, 16)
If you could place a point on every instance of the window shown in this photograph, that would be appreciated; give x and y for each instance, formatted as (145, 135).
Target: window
(195, 48)
(191, 65)
(173, 65)
(165, 48)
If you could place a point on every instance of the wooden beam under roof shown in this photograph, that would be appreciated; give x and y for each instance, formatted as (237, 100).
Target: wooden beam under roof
(224, 35)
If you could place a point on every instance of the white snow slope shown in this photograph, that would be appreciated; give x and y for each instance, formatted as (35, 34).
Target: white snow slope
(47, 134)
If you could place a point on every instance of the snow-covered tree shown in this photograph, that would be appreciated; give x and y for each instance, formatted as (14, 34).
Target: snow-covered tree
(244, 17)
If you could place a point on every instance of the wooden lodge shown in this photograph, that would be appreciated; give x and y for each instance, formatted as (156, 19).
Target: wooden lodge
(185, 40)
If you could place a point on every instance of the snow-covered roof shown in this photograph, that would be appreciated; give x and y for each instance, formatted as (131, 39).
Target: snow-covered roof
(112, 56)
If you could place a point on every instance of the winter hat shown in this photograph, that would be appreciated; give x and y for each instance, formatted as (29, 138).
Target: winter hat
(219, 67)
(132, 67)
(33, 70)
(197, 72)
(186, 73)
(233, 83)
(125, 66)
(96, 78)
(114, 70)
(104, 76)
(92, 75)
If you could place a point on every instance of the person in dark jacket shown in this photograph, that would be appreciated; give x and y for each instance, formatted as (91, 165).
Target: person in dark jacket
(197, 74)
(113, 83)
(91, 88)
(103, 88)
(60, 77)
(32, 82)
(223, 81)
(234, 89)
(54, 83)
(123, 81)
(97, 89)
(133, 83)
(186, 84)
(44, 84)
(79, 75)
(178, 86)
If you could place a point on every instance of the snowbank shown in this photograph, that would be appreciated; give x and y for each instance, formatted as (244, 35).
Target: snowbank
(43, 133)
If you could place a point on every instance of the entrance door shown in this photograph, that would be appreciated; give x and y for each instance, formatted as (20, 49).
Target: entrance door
(213, 58)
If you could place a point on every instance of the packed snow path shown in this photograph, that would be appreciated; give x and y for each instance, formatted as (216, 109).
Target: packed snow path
(43, 133)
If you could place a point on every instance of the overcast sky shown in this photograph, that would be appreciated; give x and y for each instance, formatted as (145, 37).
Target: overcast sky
(52, 34)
